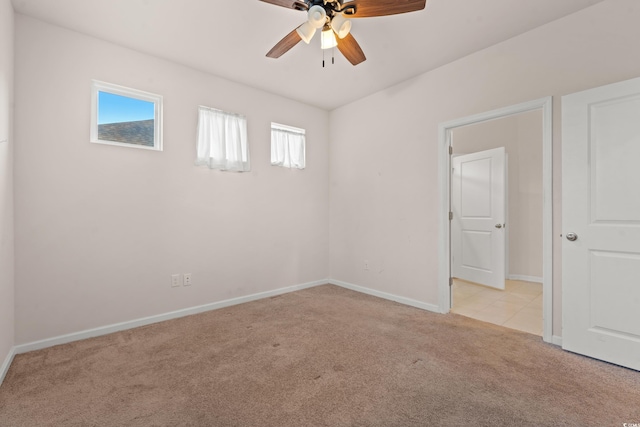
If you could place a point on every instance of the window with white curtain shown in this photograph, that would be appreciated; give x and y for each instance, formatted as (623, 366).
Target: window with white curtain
(222, 140)
(287, 146)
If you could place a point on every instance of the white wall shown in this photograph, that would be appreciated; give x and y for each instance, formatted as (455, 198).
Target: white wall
(384, 148)
(521, 135)
(6, 182)
(100, 229)
(525, 213)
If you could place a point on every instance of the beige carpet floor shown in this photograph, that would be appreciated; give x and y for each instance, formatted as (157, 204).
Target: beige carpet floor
(324, 356)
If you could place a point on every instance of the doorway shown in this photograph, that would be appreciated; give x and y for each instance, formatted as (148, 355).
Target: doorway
(523, 267)
(495, 211)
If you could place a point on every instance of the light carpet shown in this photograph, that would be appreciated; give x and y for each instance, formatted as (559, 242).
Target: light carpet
(323, 356)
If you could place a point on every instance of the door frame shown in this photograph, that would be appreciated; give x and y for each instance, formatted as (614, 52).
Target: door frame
(444, 175)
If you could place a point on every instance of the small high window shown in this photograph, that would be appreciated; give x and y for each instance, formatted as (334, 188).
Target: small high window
(125, 117)
(287, 146)
(222, 140)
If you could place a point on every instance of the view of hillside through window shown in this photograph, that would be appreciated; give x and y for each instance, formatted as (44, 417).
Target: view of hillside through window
(124, 119)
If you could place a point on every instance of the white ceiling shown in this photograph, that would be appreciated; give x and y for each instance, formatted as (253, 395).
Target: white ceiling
(230, 39)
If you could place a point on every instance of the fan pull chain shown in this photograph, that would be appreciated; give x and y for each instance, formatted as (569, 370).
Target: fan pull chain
(333, 56)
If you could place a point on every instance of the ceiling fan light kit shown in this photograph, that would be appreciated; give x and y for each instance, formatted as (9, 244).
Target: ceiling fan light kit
(317, 16)
(332, 16)
(341, 25)
(306, 32)
(328, 39)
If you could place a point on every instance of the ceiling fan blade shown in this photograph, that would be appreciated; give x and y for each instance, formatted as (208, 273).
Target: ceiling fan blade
(290, 4)
(351, 49)
(371, 8)
(284, 45)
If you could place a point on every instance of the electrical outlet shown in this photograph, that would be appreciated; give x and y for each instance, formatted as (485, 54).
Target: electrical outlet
(366, 264)
(187, 279)
(175, 280)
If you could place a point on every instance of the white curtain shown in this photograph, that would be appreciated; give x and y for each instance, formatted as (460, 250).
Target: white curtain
(222, 140)
(287, 148)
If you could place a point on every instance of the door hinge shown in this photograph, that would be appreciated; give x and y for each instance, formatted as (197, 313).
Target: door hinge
(450, 150)
(450, 281)
(450, 216)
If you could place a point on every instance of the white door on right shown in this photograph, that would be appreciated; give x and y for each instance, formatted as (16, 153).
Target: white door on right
(601, 223)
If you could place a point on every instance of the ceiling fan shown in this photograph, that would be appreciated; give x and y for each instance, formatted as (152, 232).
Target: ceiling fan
(332, 17)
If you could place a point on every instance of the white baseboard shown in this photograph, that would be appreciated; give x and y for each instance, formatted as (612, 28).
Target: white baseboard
(524, 278)
(77, 336)
(402, 300)
(104, 330)
(5, 365)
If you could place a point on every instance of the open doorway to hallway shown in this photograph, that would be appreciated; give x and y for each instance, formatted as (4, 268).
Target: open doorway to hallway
(520, 304)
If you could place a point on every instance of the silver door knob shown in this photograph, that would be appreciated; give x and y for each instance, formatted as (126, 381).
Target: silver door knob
(572, 237)
(498, 225)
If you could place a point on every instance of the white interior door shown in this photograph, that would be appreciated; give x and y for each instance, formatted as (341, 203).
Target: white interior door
(477, 227)
(601, 223)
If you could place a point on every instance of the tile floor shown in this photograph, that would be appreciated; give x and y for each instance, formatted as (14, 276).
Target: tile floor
(519, 306)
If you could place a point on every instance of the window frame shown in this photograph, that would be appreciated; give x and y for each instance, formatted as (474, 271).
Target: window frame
(99, 86)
